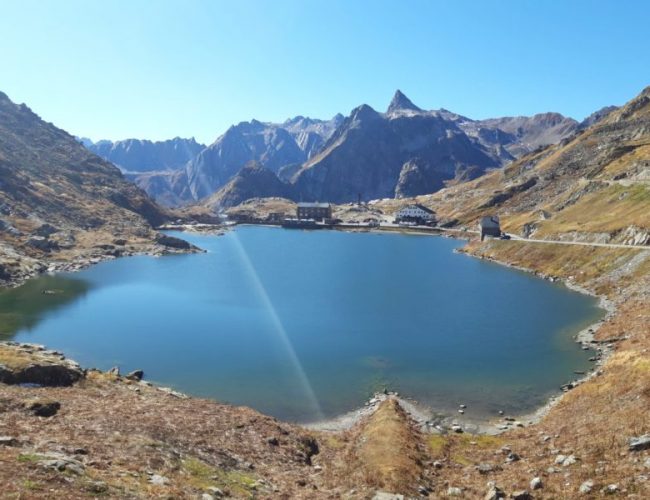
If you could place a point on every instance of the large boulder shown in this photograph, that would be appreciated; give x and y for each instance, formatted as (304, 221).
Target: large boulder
(41, 374)
(640, 443)
(32, 364)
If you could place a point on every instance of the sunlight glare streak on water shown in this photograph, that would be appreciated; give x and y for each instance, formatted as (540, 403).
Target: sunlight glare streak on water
(278, 327)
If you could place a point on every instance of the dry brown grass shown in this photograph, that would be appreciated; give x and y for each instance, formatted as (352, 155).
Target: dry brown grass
(264, 206)
(606, 211)
(580, 263)
(14, 359)
(385, 452)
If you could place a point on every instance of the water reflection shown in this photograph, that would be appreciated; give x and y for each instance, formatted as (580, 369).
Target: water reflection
(22, 308)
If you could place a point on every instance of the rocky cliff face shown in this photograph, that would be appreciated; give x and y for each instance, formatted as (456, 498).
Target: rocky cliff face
(400, 103)
(418, 177)
(135, 155)
(57, 198)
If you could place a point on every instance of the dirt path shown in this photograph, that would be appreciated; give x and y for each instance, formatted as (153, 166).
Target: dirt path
(581, 243)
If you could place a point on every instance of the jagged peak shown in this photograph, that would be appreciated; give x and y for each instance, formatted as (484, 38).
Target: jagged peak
(551, 116)
(364, 112)
(297, 119)
(401, 103)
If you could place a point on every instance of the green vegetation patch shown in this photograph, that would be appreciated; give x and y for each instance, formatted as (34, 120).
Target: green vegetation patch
(29, 457)
(203, 475)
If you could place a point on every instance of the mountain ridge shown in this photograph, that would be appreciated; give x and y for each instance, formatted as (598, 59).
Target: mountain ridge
(61, 203)
(142, 155)
(292, 148)
(366, 154)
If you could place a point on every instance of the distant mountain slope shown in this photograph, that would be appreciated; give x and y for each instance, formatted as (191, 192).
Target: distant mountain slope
(594, 187)
(163, 187)
(408, 151)
(273, 145)
(56, 196)
(252, 181)
(519, 135)
(135, 155)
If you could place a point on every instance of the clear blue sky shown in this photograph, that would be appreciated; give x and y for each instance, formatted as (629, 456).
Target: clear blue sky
(158, 69)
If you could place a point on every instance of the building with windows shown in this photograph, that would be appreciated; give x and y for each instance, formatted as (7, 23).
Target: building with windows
(418, 214)
(316, 211)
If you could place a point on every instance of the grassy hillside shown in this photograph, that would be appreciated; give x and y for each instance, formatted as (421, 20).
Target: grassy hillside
(592, 187)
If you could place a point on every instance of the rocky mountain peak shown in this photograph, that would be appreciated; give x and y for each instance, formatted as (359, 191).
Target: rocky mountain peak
(401, 103)
(253, 180)
(548, 119)
(364, 113)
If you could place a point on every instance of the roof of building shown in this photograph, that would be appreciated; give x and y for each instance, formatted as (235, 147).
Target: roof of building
(421, 207)
(489, 221)
(313, 205)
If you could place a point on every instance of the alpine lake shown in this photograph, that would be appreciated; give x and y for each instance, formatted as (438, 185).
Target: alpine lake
(307, 325)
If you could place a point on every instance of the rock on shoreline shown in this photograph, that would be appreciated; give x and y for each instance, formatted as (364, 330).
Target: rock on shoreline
(33, 364)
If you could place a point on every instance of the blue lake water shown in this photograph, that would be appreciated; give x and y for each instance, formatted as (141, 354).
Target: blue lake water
(305, 325)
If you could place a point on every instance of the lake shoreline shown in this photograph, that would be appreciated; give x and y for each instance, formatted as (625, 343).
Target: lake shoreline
(430, 419)
(427, 417)
(82, 262)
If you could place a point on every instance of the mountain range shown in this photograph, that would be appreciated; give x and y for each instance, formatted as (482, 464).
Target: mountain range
(405, 151)
(135, 155)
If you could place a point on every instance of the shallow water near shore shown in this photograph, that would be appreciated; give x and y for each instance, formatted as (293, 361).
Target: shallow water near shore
(305, 325)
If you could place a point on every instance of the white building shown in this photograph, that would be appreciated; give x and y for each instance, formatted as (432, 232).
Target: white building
(416, 213)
